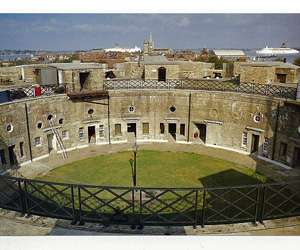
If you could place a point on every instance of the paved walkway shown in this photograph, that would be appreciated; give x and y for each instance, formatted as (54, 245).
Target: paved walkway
(11, 224)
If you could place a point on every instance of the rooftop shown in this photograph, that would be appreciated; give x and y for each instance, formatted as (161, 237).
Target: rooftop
(69, 66)
(271, 64)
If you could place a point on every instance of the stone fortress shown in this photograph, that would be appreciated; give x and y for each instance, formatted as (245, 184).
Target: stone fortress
(151, 98)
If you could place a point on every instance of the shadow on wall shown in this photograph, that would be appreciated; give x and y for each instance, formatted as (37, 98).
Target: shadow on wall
(8, 157)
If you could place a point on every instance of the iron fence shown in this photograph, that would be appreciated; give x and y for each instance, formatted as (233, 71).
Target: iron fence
(150, 206)
(199, 84)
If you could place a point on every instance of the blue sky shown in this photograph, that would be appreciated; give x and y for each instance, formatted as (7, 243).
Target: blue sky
(86, 31)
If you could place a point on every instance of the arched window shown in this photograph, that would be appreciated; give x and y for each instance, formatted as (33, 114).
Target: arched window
(162, 74)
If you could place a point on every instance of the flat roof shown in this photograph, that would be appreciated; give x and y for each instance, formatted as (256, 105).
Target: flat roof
(69, 66)
(271, 64)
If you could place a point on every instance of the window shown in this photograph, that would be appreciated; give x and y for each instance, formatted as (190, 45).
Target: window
(65, 134)
(90, 111)
(101, 130)
(2, 157)
(162, 128)
(282, 150)
(281, 78)
(172, 109)
(257, 117)
(9, 128)
(39, 125)
(37, 141)
(145, 128)
(266, 145)
(244, 139)
(81, 134)
(131, 109)
(61, 121)
(21, 149)
(49, 118)
(182, 129)
(118, 130)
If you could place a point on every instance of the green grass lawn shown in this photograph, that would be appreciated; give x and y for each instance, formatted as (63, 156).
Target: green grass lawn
(155, 169)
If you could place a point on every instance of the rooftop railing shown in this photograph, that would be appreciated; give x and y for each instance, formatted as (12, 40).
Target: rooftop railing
(208, 85)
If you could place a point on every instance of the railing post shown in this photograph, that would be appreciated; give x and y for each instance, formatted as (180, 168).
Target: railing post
(26, 198)
(203, 208)
(73, 206)
(262, 204)
(257, 205)
(22, 198)
(81, 222)
(196, 210)
(140, 209)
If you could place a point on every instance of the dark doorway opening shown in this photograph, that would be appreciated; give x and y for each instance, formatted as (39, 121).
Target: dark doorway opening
(110, 75)
(202, 131)
(172, 129)
(254, 143)
(131, 128)
(82, 79)
(91, 134)
(50, 142)
(296, 158)
(12, 155)
(162, 74)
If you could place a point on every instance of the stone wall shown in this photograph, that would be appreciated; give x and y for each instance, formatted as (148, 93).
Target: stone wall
(225, 116)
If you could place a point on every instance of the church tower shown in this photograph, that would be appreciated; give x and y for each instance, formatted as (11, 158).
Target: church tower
(148, 45)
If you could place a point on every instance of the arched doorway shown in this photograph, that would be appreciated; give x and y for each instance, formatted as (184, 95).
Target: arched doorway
(162, 74)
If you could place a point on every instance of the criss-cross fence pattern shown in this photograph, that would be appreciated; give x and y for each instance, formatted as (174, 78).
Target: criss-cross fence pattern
(29, 91)
(199, 84)
(150, 206)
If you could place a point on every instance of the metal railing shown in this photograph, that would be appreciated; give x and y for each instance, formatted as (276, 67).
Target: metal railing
(199, 84)
(141, 206)
(20, 92)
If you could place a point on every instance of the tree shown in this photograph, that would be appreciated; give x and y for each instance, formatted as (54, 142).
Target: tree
(297, 61)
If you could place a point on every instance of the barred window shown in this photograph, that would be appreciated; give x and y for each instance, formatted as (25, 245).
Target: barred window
(101, 130)
(146, 128)
(245, 139)
(118, 130)
(81, 134)
(37, 141)
(21, 149)
(266, 145)
(65, 134)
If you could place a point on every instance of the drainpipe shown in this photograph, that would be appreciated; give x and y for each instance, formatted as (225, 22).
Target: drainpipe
(189, 117)
(298, 92)
(108, 120)
(28, 132)
(275, 131)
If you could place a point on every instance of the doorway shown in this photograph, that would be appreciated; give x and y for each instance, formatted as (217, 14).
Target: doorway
(162, 74)
(82, 79)
(50, 138)
(296, 158)
(92, 134)
(12, 155)
(172, 129)
(131, 128)
(254, 143)
(202, 131)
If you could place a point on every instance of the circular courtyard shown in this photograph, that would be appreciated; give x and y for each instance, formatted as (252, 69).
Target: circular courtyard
(155, 169)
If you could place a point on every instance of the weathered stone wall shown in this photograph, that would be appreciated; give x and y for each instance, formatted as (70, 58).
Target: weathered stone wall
(93, 81)
(10, 76)
(172, 71)
(226, 117)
